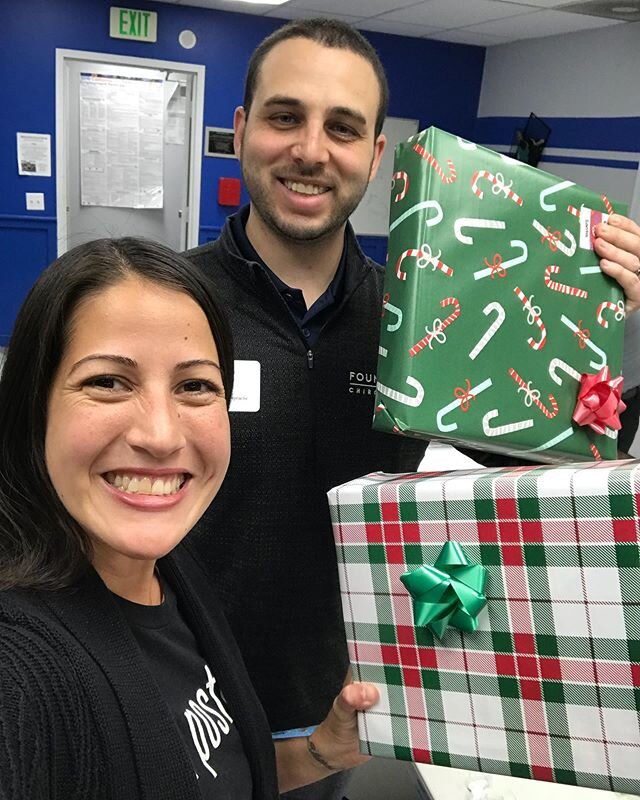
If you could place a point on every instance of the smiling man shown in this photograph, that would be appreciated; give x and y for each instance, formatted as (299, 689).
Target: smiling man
(304, 303)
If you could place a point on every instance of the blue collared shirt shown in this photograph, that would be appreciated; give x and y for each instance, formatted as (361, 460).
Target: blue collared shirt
(309, 320)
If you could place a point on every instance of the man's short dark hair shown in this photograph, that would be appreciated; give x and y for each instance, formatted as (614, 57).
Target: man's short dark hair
(41, 544)
(329, 33)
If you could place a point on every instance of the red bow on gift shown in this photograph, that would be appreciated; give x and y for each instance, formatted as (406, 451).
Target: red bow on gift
(599, 401)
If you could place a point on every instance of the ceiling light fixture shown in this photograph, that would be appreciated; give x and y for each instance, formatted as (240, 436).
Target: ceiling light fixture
(264, 2)
(625, 9)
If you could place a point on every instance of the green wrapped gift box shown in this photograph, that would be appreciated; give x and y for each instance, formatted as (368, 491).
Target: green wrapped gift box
(494, 304)
(531, 664)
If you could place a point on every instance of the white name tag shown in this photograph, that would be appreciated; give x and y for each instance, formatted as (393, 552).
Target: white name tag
(588, 221)
(246, 386)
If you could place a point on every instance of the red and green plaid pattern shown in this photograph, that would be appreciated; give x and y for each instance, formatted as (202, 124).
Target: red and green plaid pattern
(548, 687)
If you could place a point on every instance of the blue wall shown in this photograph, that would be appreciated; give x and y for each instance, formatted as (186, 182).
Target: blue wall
(437, 82)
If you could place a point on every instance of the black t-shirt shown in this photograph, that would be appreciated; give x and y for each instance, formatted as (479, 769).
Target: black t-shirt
(194, 697)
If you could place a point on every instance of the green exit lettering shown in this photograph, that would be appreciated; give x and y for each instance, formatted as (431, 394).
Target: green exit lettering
(134, 23)
(131, 23)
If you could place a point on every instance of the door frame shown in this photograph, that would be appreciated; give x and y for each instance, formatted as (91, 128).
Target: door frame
(197, 71)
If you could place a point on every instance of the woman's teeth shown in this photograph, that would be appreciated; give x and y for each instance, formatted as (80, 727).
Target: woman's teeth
(138, 484)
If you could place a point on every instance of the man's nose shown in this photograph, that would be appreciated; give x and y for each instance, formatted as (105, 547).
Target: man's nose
(312, 145)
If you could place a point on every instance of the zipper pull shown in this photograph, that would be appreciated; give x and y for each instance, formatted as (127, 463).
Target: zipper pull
(310, 359)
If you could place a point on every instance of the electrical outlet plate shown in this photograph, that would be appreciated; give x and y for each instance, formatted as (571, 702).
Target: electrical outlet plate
(35, 201)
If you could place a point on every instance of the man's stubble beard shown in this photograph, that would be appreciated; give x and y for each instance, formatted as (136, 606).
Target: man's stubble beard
(289, 230)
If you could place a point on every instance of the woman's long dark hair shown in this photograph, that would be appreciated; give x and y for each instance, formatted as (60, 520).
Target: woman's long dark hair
(41, 545)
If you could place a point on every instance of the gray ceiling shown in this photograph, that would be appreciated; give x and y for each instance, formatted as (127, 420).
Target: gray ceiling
(480, 22)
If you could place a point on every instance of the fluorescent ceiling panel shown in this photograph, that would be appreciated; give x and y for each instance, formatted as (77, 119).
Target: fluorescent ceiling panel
(361, 8)
(397, 28)
(541, 23)
(456, 13)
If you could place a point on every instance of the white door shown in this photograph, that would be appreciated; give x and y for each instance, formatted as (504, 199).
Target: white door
(129, 134)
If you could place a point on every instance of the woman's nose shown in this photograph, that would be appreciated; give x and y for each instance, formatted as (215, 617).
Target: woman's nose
(156, 427)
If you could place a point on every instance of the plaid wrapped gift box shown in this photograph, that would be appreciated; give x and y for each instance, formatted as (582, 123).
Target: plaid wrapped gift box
(548, 686)
(494, 303)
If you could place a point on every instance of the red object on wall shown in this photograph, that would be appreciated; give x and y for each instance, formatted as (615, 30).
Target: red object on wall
(229, 191)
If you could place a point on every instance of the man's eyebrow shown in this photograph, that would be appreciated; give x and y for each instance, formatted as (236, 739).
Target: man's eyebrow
(282, 100)
(345, 111)
(293, 102)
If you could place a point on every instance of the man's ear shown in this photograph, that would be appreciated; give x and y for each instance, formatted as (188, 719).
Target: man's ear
(239, 121)
(378, 150)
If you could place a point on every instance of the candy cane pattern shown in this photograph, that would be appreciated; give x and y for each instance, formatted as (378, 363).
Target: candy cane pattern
(447, 427)
(400, 176)
(558, 364)
(532, 317)
(554, 241)
(433, 162)
(392, 326)
(566, 433)
(597, 365)
(563, 288)
(503, 430)
(429, 259)
(491, 330)
(499, 186)
(430, 204)
(381, 407)
(402, 275)
(512, 262)
(558, 187)
(425, 258)
(595, 452)
(470, 222)
(607, 203)
(438, 327)
(400, 397)
(618, 312)
(533, 395)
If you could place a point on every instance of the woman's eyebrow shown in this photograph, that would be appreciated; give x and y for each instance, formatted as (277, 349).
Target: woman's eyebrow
(198, 362)
(124, 361)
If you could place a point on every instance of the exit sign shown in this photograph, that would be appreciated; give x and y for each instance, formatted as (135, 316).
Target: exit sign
(130, 23)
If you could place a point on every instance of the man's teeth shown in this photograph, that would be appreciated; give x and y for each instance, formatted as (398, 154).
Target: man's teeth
(139, 484)
(305, 188)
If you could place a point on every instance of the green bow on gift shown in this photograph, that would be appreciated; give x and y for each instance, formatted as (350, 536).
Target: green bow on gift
(451, 592)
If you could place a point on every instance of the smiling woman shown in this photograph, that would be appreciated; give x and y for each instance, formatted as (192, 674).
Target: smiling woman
(119, 676)
(137, 423)
(95, 321)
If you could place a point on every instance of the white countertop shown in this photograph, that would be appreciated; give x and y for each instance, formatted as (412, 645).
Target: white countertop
(445, 783)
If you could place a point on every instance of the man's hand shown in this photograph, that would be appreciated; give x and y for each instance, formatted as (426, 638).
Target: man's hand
(334, 743)
(618, 245)
(332, 747)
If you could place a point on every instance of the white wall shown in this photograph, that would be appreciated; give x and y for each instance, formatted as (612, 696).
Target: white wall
(587, 74)
(576, 76)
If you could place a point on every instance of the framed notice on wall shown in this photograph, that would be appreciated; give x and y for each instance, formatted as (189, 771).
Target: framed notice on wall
(218, 142)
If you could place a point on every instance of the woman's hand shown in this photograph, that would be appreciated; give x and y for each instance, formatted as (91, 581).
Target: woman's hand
(332, 747)
(617, 243)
